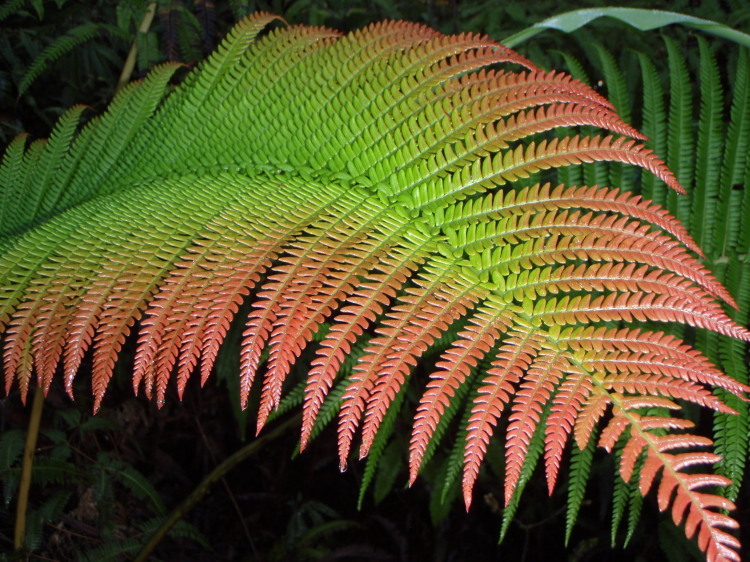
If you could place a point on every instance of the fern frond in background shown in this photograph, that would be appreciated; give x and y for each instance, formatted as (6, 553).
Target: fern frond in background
(379, 183)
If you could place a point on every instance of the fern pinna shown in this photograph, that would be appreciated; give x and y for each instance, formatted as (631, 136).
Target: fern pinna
(382, 184)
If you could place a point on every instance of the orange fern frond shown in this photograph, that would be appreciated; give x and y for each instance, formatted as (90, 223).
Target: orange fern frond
(677, 488)
(498, 386)
(472, 344)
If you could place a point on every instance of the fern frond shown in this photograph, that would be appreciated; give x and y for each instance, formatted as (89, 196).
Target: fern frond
(64, 45)
(709, 148)
(654, 124)
(367, 194)
(680, 141)
(676, 488)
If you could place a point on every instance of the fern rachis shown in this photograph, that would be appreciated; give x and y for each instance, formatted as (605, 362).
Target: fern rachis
(367, 181)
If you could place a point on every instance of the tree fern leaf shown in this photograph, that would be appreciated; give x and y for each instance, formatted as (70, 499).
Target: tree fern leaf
(454, 463)
(617, 92)
(654, 124)
(580, 469)
(709, 149)
(415, 136)
(120, 299)
(382, 182)
(648, 363)
(213, 80)
(680, 144)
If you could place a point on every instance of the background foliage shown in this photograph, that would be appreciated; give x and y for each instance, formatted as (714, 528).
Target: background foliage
(64, 52)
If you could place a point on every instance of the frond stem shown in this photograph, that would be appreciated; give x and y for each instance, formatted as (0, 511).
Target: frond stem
(28, 458)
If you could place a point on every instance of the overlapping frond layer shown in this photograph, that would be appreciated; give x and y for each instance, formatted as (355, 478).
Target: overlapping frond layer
(367, 183)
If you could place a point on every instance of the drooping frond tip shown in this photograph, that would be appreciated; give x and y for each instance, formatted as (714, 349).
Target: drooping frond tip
(368, 182)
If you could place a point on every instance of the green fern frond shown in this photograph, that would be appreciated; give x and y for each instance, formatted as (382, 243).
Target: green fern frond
(733, 174)
(11, 7)
(64, 45)
(580, 468)
(680, 130)
(709, 149)
(654, 124)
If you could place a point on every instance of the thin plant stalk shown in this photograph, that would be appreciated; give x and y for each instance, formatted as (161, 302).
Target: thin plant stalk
(127, 69)
(28, 457)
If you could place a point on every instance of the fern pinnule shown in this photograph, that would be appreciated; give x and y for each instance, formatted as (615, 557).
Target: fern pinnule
(513, 359)
(365, 304)
(567, 405)
(472, 344)
(543, 375)
(424, 315)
